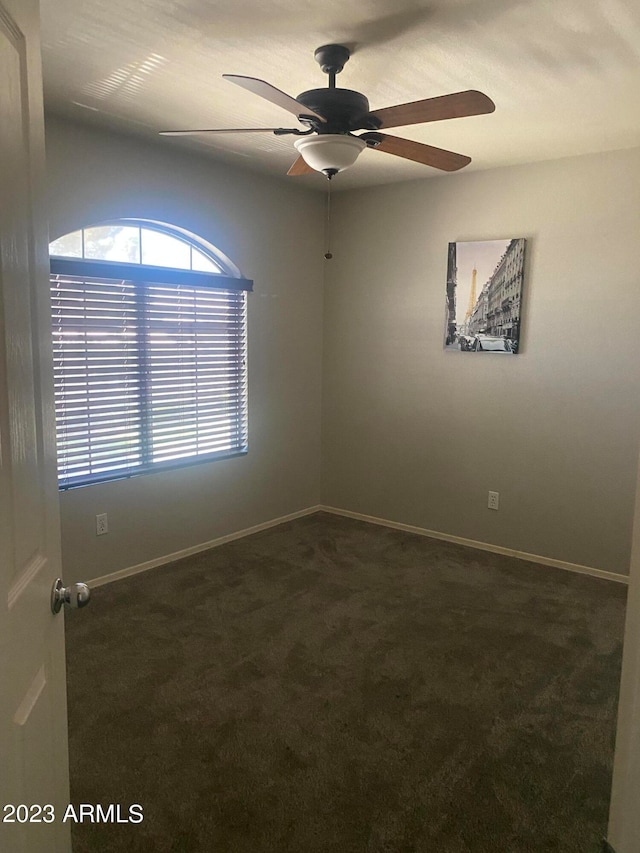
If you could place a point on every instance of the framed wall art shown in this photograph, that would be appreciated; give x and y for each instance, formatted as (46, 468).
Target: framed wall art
(484, 296)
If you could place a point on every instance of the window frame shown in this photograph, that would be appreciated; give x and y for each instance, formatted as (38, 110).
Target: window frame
(143, 277)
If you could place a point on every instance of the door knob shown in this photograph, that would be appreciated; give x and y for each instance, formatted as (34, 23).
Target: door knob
(77, 595)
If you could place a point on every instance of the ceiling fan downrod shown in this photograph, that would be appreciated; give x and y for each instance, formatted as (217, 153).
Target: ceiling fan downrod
(332, 59)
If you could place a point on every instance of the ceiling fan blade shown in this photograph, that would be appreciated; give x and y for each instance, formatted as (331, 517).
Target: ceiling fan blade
(270, 93)
(458, 105)
(439, 158)
(300, 167)
(219, 130)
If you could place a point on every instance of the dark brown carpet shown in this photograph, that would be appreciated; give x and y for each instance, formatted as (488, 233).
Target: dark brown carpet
(334, 686)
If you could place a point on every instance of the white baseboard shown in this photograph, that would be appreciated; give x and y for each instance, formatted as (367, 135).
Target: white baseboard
(203, 546)
(396, 525)
(482, 546)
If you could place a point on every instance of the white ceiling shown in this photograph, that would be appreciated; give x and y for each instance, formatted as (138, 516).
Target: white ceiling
(564, 74)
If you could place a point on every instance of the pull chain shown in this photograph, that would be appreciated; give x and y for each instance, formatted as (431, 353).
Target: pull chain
(327, 224)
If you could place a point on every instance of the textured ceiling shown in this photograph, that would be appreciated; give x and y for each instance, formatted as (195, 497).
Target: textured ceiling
(563, 74)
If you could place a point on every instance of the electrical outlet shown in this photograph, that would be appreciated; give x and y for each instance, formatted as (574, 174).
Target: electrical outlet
(102, 525)
(494, 500)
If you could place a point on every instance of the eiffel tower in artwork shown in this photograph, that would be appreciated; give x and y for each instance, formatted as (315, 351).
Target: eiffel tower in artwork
(472, 299)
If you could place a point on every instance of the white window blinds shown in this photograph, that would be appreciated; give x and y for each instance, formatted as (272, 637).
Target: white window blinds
(147, 375)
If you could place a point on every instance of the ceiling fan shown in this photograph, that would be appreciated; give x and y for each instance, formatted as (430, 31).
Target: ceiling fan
(331, 116)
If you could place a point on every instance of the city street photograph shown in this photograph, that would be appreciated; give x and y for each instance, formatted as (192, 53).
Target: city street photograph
(484, 296)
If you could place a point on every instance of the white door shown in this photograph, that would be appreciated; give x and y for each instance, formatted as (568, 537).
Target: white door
(624, 816)
(33, 726)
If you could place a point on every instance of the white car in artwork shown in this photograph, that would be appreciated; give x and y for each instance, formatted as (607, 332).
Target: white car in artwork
(487, 343)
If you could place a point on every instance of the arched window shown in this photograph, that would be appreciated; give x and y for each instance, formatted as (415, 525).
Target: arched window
(149, 340)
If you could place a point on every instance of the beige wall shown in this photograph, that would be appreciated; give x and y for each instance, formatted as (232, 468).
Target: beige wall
(270, 229)
(410, 433)
(417, 435)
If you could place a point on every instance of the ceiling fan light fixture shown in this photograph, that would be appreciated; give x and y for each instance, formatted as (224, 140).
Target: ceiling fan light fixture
(330, 153)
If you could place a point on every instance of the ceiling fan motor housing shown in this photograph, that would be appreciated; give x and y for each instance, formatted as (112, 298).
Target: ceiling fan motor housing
(344, 110)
